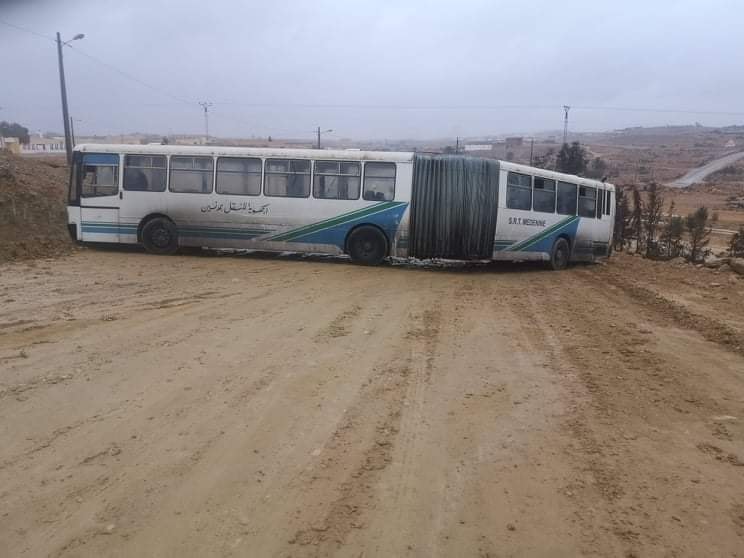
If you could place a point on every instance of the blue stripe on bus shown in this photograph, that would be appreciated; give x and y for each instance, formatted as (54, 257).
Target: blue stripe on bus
(388, 219)
(100, 159)
(544, 240)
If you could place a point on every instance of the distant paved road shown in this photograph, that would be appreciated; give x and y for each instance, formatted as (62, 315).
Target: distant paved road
(699, 174)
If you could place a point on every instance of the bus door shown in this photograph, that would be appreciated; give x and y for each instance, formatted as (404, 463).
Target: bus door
(99, 197)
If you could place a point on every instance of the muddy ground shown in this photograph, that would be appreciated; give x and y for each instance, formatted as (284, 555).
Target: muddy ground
(266, 406)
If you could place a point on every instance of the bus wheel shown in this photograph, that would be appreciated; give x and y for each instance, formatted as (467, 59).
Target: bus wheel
(367, 246)
(160, 236)
(560, 254)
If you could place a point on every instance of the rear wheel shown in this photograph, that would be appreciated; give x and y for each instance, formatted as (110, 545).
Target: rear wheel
(160, 236)
(560, 254)
(367, 246)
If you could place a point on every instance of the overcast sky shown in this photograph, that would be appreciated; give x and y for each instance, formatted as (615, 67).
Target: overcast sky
(373, 69)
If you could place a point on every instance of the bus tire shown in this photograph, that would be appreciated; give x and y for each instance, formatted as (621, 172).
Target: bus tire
(560, 254)
(367, 246)
(160, 236)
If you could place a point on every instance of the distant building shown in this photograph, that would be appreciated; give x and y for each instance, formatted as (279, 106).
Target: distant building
(478, 147)
(730, 143)
(41, 144)
(514, 142)
(10, 144)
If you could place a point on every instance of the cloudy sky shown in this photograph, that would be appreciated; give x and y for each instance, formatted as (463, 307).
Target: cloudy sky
(373, 69)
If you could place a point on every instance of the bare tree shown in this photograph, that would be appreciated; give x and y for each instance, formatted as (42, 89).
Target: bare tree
(651, 217)
(671, 235)
(636, 219)
(622, 218)
(736, 246)
(699, 232)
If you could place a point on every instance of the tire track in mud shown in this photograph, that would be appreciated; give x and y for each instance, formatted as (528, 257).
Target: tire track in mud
(662, 310)
(594, 454)
(635, 397)
(375, 420)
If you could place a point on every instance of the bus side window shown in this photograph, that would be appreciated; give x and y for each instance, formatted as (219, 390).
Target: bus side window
(566, 198)
(543, 196)
(287, 178)
(238, 176)
(145, 173)
(518, 191)
(191, 175)
(379, 181)
(608, 202)
(100, 175)
(336, 180)
(587, 201)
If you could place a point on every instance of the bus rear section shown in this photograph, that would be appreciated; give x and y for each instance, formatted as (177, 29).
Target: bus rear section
(480, 209)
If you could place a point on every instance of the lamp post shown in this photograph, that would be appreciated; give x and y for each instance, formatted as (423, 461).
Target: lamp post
(323, 132)
(63, 89)
(72, 129)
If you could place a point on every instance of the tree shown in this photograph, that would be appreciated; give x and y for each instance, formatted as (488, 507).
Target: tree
(622, 218)
(699, 231)
(635, 224)
(651, 216)
(597, 168)
(572, 159)
(14, 130)
(546, 160)
(671, 235)
(736, 246)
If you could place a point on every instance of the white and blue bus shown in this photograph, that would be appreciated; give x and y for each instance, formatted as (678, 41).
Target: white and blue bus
(368, 204)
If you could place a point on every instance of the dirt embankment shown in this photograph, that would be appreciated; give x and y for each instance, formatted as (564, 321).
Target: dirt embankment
(32, 207)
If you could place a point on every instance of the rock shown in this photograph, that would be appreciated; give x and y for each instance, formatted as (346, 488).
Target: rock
(714, 263)
(737, 264)
(714, 285)
(511, 527)
(679, 260)
(109, 529)
(725, 267)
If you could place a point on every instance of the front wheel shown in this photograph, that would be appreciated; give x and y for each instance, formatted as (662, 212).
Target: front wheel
(560, 255)
(367, 246)
(160, 236)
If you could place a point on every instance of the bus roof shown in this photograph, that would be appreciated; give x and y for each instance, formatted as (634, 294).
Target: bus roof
(225, 151)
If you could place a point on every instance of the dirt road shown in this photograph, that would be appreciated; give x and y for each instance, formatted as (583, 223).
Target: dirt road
(698, 175)
(249, 406)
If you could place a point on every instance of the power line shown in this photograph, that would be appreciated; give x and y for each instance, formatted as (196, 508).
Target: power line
(25, 30)
(131, 77)
(102, 63)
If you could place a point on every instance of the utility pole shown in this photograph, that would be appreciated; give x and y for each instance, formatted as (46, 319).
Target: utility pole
(457, 145)
(72, 132)
(318, 131)
(63, 90)
(532, 149)
(205, 105)
(566, 108)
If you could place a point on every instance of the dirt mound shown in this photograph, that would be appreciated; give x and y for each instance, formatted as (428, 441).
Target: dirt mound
(32, 207)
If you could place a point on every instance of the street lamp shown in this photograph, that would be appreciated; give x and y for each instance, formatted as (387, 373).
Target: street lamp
(323, 132)
(63, 89)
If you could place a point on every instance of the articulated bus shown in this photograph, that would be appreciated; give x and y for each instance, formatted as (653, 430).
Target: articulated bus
(370, 205)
